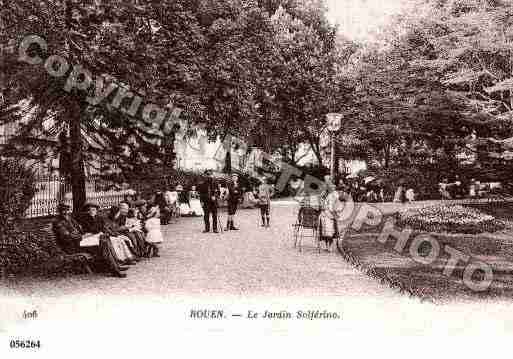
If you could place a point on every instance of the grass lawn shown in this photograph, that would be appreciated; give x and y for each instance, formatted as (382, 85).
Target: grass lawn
(429, 280)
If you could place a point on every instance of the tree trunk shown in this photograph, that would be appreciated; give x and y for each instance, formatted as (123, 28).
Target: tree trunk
(335, 163)
(387, 156)
(169, 151)
(228, 161)
(78, 189)
(315, 146)
(75, 111)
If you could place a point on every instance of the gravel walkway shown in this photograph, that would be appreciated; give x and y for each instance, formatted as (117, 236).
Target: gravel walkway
(251, 261)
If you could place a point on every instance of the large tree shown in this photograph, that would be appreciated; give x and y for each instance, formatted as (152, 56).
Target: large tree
(143, 47)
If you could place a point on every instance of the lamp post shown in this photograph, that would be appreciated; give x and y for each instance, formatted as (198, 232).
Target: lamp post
(334, 122)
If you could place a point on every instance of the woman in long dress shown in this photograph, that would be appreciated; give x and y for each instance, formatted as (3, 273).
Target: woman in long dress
(95, 225)
(183, 201)
(152, 225)
(194, 202)
(328, 219)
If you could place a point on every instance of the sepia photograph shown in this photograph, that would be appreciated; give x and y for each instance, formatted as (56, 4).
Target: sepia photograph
(256, 177)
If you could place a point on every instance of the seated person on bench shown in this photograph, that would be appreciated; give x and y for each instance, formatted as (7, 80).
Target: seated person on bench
(118, 216)
(69, 234)
(96, 227)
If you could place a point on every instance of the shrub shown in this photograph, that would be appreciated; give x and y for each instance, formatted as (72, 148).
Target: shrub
(16, 190)
(24, 252)
(20, 251)
(449, 218)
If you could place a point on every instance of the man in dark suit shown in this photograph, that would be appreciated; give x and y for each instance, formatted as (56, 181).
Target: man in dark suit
(209, 194)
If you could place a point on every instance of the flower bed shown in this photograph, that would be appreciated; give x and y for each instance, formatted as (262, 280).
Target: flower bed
(449, 219)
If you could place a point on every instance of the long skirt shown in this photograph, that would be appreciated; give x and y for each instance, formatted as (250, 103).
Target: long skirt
(121, 248)
(196, 208)
(119, 245)
(137, 242)
(185, 209)
(154, 234)
(328, 226)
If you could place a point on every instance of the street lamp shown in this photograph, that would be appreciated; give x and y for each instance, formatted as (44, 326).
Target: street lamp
(334, 122)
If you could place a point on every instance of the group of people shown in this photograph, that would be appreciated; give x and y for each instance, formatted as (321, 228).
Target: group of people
(129, 232)
(459, 188)
(176, 202)
(210, 194)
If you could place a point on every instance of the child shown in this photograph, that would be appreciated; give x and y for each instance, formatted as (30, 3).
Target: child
(264, 201)
(154, 235)
(133, 223)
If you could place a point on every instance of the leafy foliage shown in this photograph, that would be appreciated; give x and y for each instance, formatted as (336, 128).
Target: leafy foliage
(434, 91)
(16, 191)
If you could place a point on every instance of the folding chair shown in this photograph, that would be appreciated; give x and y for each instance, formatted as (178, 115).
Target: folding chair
(307, 225)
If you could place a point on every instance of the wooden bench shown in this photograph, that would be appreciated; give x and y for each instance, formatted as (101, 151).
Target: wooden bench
(83, 259)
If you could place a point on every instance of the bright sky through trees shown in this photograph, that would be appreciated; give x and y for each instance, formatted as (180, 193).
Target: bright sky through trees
(360, 19)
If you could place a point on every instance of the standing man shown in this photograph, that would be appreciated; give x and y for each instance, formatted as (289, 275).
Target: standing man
(209, 193)
(234, 197)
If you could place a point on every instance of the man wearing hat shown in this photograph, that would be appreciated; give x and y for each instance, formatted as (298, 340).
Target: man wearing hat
(234, 197)
(69, 232)
(209, 194)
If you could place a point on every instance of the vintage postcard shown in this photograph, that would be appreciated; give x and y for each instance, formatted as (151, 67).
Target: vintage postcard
(256, 177)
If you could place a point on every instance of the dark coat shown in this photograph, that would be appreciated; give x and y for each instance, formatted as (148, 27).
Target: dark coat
(208, 189)
(68, 234)
(119, 220)
(183, 197)
(93, 225)
(234, 193)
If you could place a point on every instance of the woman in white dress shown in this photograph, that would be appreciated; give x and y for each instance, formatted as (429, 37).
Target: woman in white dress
(152, 225)
(195, 203)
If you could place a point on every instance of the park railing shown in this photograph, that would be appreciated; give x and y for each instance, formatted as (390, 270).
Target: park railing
(52, 190)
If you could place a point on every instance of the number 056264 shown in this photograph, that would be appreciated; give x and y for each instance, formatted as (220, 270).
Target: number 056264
(25, 344)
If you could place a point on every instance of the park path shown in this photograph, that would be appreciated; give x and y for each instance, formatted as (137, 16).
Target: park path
(251, 261)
